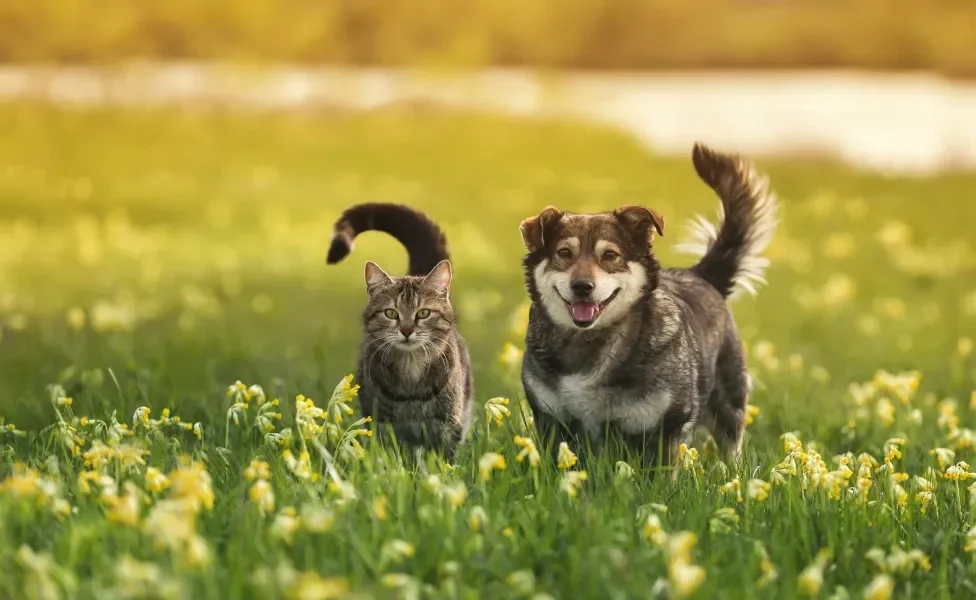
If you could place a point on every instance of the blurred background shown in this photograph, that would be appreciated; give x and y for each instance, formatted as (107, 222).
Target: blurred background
(170, 172)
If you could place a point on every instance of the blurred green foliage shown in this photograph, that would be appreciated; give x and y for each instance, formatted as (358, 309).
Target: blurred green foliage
(882, 34)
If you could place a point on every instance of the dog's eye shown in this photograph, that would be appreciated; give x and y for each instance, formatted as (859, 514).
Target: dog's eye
(391, 314)
(610, 256)
(423, 313)
(564, 253)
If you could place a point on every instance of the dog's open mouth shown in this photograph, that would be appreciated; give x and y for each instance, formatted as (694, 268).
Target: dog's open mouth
(585, 313)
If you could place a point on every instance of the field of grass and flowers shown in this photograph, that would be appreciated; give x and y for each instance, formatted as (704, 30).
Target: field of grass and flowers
(178, 420)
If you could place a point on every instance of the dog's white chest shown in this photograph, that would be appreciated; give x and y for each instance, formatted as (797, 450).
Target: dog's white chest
(587, 399)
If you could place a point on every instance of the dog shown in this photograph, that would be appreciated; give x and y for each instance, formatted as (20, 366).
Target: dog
(619, 348)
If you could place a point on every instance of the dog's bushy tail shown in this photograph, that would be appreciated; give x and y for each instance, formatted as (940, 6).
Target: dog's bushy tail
(731, 252)
(423, 239)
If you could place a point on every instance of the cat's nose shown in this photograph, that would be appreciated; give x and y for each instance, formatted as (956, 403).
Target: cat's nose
(406, 331)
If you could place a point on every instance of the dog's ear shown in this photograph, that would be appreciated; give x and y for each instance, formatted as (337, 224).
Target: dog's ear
(640, 221)
(535, 230)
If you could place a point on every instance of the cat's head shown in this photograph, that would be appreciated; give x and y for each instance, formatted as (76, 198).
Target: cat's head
(409, 313)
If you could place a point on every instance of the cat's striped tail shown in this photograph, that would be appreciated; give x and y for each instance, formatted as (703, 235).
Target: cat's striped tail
(423, 239)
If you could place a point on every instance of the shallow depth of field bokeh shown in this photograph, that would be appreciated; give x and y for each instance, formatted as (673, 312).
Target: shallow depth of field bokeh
(151, 260)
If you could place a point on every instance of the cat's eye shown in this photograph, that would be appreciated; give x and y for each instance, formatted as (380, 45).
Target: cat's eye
(564, 253)
(391, 314)
(610, 256)
(423, 313)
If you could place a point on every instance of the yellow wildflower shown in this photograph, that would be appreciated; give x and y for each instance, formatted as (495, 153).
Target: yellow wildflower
(687, 457)
(566, 458)
(811, 578)
(477, 518)
(791, 441)
(902, 385)
(758, 489)
(528, 450)
(262, 495)
(962, 438)
(396, 551)
(379, 508)
(971, 540)
(125, 509)
(408, 586)
(654, 530)
(945, 456)
(301, 467)
(959, 472)
(571, 482)
(521, 582)
(192, 482)
(488, 462)
(511, 355)
(285, 524)
(767, 570)
(886, 412)
(685, 577)
(924, 498)
(172, 524)
(258, 469)
(312, 586)
(752, 411)
(948, 419)
(723, 520)
(733, 486)
(155, 480)
(496, 409)
(880, 588)
(316, 518)
(455, 493)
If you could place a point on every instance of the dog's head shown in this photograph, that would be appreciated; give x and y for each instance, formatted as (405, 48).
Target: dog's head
(588, 270)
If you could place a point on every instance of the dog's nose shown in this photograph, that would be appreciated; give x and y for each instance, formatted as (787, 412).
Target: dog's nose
(581, 287)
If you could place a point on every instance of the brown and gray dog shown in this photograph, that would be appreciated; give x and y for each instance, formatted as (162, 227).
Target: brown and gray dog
(619, 348)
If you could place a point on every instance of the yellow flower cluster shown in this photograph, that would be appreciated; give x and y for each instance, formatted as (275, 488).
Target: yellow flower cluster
(528, 450)
(565, 458)
(28, 485)
(571, 482)
(496, 409)
(811, 578)
(261, 493)
(490, 461)
(688, 459)
(684, 576)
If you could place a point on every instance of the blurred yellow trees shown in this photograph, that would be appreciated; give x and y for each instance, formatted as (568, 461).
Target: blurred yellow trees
(619, 34)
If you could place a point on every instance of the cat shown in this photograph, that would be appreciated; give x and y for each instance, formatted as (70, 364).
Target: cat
(414, 367)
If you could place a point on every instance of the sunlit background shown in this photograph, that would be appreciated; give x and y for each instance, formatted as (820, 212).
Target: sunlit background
(170, 172)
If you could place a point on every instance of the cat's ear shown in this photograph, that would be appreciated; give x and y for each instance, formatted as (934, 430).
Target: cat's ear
(375, 276)
(439, 278)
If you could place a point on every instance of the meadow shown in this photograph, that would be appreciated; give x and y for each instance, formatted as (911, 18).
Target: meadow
(178, 421)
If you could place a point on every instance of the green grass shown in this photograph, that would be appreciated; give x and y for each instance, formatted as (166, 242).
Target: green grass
(153, 259)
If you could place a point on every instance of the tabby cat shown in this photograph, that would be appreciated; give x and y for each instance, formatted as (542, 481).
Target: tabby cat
(414, 369)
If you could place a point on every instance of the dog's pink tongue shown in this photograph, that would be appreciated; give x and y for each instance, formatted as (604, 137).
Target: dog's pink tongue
(584, 312)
